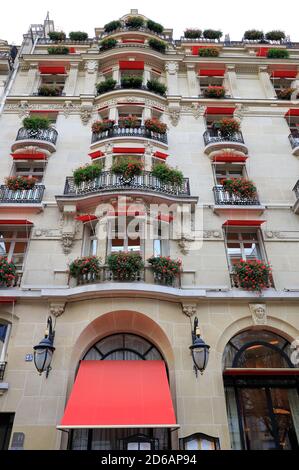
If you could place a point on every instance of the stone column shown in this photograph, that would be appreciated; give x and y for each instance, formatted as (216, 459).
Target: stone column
(232, 81)
(32, 79)
(2, 87)
(146, 74)
(113, 113)
(266, 83)
(147, 113)
(91, 68)
(172, 78)
(193, 82)
(116, 74)
(71, 81)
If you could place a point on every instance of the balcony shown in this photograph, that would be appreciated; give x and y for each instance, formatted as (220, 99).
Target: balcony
(2, 370)
(44, 138)
(142, 30)
(294, 140)
(135, 132)
(215, 141)
(296, 191)
(22, 196)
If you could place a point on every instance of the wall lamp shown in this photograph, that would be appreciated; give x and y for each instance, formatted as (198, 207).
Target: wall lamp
(199, 350)
(43, 352)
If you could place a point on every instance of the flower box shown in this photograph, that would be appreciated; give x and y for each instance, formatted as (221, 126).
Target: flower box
(85, 266)
(286, 93)
(253, 275)
(87, 173)
(127, 167)
(165, 269)
(214, 92)
(242, 187)
(129, 122)
(105, 86)
(102, 126)
(131, 81)
(20, 182)
(167, 175)
(8, 272)
(125, 266)
(155, 125)
(208, 52)
(49, 90)
(227, 126)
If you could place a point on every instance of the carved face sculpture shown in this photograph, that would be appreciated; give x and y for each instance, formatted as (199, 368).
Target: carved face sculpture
(259, 312)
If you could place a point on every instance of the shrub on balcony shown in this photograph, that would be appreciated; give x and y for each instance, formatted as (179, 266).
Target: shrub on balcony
(153, 26)
(285, 93)
(253, 35)
(102, 126)
(59, 50)
(254, 275)
(105, 86)
(35, 123)
(157, 45)
(129, 122)
(8, 272)
(193, 33)
(134, 22)
(108, 43)
(49, 90)
(278, 54)
(112, 26)
(78, 36)
(87, 173)
(168, 175)
(214, 92)
(212, 34)
(127, 167)
(242, 187)
(155, 125)
(20, 182)
(125, 266)
(208, 52)
(165, 269)
(156, 87)
(275, 35)
(84, 266)
(227, 126)
(131, 81)
(57, 35)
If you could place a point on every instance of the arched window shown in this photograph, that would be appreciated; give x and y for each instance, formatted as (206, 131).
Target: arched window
(261, 387)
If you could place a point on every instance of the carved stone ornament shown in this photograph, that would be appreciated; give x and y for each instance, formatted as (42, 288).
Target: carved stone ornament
(172, 68)
(174, 115)
(184, 245)
(57, 309)
(259, 315)
(67, 108)
(91, 66)
(189, 309)
(86, 113)
(67, 240)
(23, 108)
(197, 110)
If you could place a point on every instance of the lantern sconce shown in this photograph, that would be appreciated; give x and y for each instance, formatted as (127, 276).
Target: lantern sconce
(199, 350)
(43, 352)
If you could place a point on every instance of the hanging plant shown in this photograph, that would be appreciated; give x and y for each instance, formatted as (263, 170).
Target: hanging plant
(192, 33)
(129, 122)
(278, 54)
(59, 50)
(87, 172)
(153, 26)
(78, 36)
(127, 167)
(157, 45)
(214, 92)
(105, 86)
(125, 266)
(166, 270)
(112, 26)
(102, 126)
(57, 35)
(212, 34)
(155, 125)
(254, 275)
(87, 265)
(20, 182)
(8, 272)
(227, 126)
(167, 175)
(108, 43)
(208, 52)
(242, 187)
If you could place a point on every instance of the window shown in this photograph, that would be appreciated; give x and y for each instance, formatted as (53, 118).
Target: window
(4, 338)
(136, 111)
(281, 83)
(125, 234)
(54, 80)
(200, 441)
(6, 423)
(205, 82)
(13, 244)
(90, 245)
(30, 168)
(243, 244)
(161, 242)
(222, 172)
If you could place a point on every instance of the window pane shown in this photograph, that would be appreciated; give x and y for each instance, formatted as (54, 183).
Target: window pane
(260, 356)
(283, 413)
(252, 251)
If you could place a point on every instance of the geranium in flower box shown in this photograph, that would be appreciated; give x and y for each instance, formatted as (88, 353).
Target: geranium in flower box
(127, 167)
(253, 275)
(129, 122)
(125, 266)
(242, 187)
(154, 125)
(227, 126)
(87, 266)
(166, 270)
(8, 272)
(214, 92)
(102, 126)
(20, 182)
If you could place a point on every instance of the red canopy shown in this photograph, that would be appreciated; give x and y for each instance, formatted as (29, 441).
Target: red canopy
(128, 149)
(211, 72)
(284, 73)
(262, 52)
(29, 156)
(86, 217)
(96, 154)
(114, 394)
(219, 110)
(15, 222)
(292, 112)
(46, 69)
(229, 157)
(161, 155)
(131, 65)
(244, 223)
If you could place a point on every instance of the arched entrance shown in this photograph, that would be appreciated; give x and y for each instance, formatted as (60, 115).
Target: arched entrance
(261, 388)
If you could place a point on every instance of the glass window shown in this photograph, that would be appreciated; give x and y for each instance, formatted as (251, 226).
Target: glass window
(54, 80)
(31, 168)
(222, 172)
(200, 441)
(245, 244)
(205, 82)
(90, 246)
(13, 244)
(125, 234)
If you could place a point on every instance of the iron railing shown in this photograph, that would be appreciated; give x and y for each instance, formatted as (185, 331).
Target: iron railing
(48, 135)
(117, 131)
(2, 370)
(141, 87)
(223, 197)
(124, 29)
(214, 136)
(296, 189)
(108, 181)
(22, 196)
(294, 141)
(64, 41)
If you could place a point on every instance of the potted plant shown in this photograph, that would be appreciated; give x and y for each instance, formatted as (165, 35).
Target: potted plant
(88, 267)
(127, 167)
(214, 92)
(131, 81)
(156, 87)
(167, 175)
(20, 182)
(78, 36)
(108, 43)
(208, 52)
(102, 126)
(59, 50)
(166, 270)
(35, 123)
(285, 93)
(8, 272)
(242, 187)
(157, 45)
(253, 35)
(129, 122)
(278, 54)
(275, 35)
(49, 90)
(105, 86)
(227, 126)
(254, 275)
(112, 26)
(125, 266)
(212, 34)
(155, 27)
(57, 35)
(134, 22)
(155, 125)
(191, 33)
(87, 172)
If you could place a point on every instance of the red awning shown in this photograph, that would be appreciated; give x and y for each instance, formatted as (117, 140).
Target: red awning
(96, 154)
(46, 69)
(115, 394)
(86, 217)
(292, 112)
(161, 155)
(229, 157)
(244, 223)
(7, 300)
(284, 73)
(262, 371)
(219, 110)
(262, 52)
(72, 50)
(131, 65)
(128, 149)
(15, 222)
(195, 49)
(211, 72)
(29, 156)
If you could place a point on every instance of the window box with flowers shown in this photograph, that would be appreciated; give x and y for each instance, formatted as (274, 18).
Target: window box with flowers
(227, 127)
(59, 50)
(214, 92)
(125, 266)
(191, 33)
(127, 168)
(240, 187)
(105, 86)
(155, 125)
(49, 90)
(167, 175)
(286, 93)
(208, 52)
(157, 45)
(166, 270)
(8, 272)
(253, 275)
(102, 126)
(87, 173)
(129, 122)
(85, 269)
(107, 44)
(15, 183)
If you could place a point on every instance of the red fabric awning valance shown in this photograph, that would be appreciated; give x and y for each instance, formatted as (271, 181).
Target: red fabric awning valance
(52, 70)
(86, 217)
(161, 155)
(29, 156)
(96, 154)
(262, 52)
(244, 223)
(131, 65)
(7, 300)
(262, 371)
(115, 394)
(227, 157)
(15, 222)
(195, 49)
(284, 73)
(292, 112)
(211, 72)
(128, 149)
(219, 110)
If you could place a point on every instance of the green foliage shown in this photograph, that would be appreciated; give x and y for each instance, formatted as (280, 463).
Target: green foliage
(20, 182)
(8, 272)
(227, 126)
(107, 85)
(208, 52)
(59, 50)
(57, 35)
(127, 167)
(253, 275)
(156, 27)
(85, 265)
(49, 90)
(157, 45)
(165, 268)
(253, 35)
(168, 175)
(155, 125)
(214, 92)
(78, 36)
(125, 266)
(36, 123)
(87, 173)
(241, 187)
(134, 22)
(102, 126)
(112, 26)
(156, 87)
(108, 43)
(212, 34)
(131, 81)
(275, 35)
(193, 33)
(278, 54)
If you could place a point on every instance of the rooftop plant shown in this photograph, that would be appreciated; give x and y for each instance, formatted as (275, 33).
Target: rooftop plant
(107, 43)
(275, 35)
(156, 27)
(157, 45)
(78, 36)
(192, 33)
(112, 26)
(253, 35)
(212, 34)
(57, 35)
(134, 22)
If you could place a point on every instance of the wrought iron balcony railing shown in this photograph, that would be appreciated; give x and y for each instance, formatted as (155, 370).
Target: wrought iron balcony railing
(117, 131)
(294, 140)
(108, 181)
(124, 29)
(22, 196)
(2, 370)
(223, 197)
(296, 189)
(141, 87)
(64, 41)
(48, 135)
(212, 136)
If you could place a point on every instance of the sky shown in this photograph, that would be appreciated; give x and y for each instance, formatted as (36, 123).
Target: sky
(230, 16)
